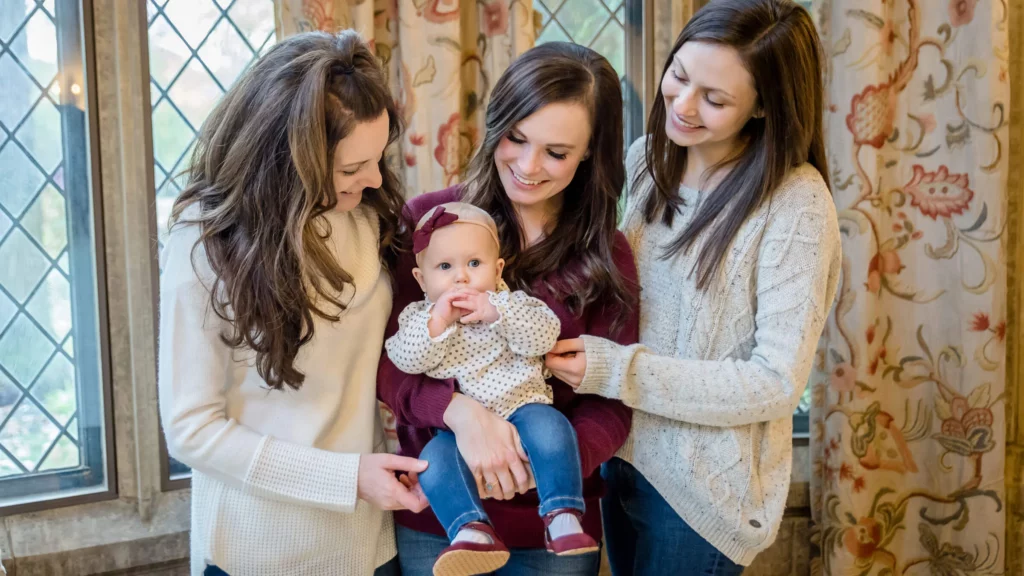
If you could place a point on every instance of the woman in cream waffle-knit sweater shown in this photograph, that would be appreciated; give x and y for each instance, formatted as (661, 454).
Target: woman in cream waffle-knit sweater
(738, 270)
(273, 303)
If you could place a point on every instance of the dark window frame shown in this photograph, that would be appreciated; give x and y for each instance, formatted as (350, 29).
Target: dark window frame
(86, 263)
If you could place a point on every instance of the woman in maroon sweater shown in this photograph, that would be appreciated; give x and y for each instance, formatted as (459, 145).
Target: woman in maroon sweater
(550, 172)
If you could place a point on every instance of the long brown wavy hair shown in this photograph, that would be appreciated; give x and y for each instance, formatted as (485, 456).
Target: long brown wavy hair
(581, 243)
(262, 177)
(779, 45)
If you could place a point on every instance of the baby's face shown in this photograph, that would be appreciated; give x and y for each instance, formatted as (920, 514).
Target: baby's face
(459, 256)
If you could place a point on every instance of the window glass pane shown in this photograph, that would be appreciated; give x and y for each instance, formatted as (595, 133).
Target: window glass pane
(601, 25)
(52, 433)
(197, 49)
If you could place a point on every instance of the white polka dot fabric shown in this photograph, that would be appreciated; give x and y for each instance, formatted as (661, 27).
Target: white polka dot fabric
(500, 365)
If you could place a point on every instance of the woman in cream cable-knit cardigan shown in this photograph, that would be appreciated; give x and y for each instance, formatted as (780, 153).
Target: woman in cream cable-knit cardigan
(273, 305)
(737, 246)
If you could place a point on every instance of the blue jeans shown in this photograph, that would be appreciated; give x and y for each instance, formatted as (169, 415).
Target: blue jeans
(644, 534)
(389, 568)
(417, 552)
(548, 439)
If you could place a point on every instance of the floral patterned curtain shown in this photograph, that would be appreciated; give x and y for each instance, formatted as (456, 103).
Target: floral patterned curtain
(908, 419)
(443, 57)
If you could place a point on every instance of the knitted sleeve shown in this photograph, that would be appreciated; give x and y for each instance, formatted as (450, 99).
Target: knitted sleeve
(602, 424)
(797, 273)
(194, 365)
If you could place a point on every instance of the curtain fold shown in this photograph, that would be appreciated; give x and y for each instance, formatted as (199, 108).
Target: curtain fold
(908, 393)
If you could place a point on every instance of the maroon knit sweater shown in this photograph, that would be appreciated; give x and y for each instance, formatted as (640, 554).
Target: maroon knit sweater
(419, 401)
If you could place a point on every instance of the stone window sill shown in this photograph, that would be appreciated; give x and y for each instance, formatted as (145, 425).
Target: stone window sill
(100, 538)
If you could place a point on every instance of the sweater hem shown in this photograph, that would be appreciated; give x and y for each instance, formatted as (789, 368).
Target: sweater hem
(708, 525)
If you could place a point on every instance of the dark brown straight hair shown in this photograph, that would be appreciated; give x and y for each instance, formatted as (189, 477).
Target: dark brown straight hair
(779, 45)
(580, 248)
(262, 177)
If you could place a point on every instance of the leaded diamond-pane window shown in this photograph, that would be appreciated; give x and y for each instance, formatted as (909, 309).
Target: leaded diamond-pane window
(612, 28)
(197, 49)
(599, 24)
(52, 425)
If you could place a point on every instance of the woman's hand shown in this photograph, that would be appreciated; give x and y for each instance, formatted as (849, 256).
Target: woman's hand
(568, 361)
(490, 446)
(378, 485)
(411, 481)
(531, 483)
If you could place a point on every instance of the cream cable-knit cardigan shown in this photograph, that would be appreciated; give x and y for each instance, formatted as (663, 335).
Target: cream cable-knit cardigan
(274, 473)
(718, 373)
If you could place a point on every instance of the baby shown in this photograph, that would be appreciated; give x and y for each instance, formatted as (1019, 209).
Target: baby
(471, 327)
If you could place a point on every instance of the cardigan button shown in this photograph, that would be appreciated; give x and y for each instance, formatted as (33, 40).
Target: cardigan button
(755, 523)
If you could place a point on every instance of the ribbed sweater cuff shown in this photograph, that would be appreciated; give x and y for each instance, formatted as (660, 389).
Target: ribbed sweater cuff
(597, 379)
(303, 475)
